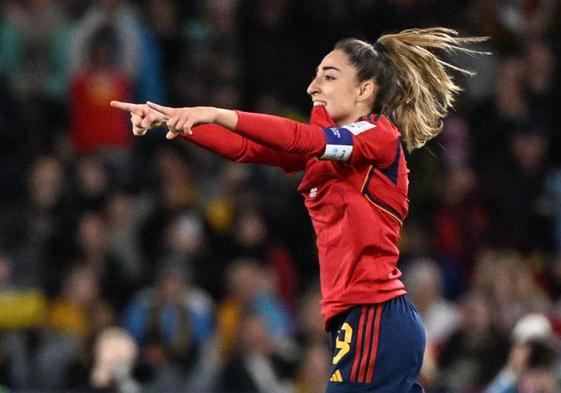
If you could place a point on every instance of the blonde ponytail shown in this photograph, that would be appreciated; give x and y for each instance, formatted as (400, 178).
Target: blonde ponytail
(426, 90)
(414, 88)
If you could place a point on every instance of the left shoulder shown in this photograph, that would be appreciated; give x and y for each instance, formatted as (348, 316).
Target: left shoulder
(359, 127)
(378, 123)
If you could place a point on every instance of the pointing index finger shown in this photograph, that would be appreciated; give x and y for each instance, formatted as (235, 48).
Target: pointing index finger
(162, 109)
(127, 106)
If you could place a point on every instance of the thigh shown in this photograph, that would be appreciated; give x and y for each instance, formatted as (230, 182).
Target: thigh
(377, 348)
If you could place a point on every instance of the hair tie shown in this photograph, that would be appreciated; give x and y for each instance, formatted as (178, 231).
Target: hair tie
(379, 47)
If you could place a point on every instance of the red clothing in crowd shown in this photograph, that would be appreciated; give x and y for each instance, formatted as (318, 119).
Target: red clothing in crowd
(94, 124)
(355, 188)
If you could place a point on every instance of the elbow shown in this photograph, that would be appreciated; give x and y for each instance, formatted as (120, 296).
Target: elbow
(242, 155)
(241, 159)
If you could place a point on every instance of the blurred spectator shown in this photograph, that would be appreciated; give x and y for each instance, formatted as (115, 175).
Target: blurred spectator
(122, 16)
(171, 322)
(69, 312)
(456, 141)
(498, 116)
(510, 286)
(15, 372)
(115, 357)
(185, 235)
(164, 17)
(313, 357)
(540, 79)
(21, 307)
(90, 247)
(45, 189)
(115, 285)
(172, 191)
(532, 365)
(233, 180)
(248, 291)
(475, 350)
(93, 183)
(44, 201)
(252, 368)
(22, 310)
(137, 53)
(516, 187)
(543, 88)
(124, 212)
(77, 375)
(310, 327)
(461, 221)
(252, 239)
(67, 327)
(213, 54)
(14, 146)
(313, 371)
(149, 81)
(93, 124)
(36, 32)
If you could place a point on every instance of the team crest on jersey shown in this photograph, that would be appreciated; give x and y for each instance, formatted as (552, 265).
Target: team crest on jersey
(313, 192)
(359, 127)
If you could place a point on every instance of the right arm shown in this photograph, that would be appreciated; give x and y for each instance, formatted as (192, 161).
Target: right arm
(364, 142)
(279, 137)
(217, 139)
(237, 148)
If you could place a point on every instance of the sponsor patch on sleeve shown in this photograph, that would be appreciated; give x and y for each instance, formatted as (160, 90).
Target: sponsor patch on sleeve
(339, 144)
(359, 127)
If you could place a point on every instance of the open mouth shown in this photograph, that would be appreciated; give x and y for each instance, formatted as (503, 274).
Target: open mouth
(317, 103)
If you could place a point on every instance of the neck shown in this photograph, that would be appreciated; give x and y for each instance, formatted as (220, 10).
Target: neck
(351, 118)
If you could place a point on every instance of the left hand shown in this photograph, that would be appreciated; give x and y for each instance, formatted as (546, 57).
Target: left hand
(181, 120)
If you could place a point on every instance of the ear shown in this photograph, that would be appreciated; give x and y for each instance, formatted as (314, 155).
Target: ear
(366, 90)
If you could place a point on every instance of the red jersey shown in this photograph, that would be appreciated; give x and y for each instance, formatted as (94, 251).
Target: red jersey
(355, 189)
(94, 124)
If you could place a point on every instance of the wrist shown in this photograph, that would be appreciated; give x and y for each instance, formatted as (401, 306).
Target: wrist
(226, 118)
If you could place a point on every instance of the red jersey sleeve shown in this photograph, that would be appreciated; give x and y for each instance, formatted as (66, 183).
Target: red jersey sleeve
(365, 142)
(240, 149)
(281, 134)
(377, 145)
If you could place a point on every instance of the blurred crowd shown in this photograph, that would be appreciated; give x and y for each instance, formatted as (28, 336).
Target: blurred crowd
(144, 265)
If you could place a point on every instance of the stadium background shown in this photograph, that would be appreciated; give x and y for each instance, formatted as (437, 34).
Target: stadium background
(210, 266)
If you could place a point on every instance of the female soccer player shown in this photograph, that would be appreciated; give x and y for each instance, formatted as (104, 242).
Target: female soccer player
(367, 100)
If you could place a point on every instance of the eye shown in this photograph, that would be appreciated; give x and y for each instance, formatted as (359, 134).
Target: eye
(329, 78)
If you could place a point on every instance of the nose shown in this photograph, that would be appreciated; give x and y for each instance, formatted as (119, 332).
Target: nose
(312, 88)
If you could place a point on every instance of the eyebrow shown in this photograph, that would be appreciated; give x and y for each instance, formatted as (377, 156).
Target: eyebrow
(327, 68)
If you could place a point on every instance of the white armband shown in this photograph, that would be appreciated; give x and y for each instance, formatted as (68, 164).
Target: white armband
(339, 144)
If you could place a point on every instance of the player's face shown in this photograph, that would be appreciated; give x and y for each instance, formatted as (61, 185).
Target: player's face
(336, 86)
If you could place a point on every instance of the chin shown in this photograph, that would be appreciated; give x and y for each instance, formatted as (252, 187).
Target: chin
(333, 116)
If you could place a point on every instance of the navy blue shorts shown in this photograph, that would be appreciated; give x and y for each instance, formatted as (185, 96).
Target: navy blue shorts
(377, 348)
